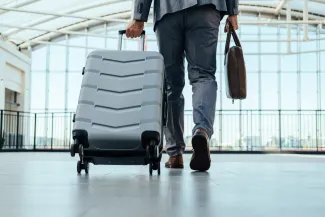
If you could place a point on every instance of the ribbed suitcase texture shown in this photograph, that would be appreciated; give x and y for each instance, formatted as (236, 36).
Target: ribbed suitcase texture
(121, 99)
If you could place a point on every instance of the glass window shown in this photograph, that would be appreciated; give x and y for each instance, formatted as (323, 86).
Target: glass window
(283, 31)
(251, 102)
(96, 42)
(57, 58)
(289, 91)
(269, 89)
(77, 40)
(226, 102)
(322, 42)
(230, 129)
(75, 80)
(308, 129)
(269, 63)
(187, 92)
(131, 44)
(270, 129)
(38, 91)
(269, 47)
(287, 47)
(77, 58)
(322, 61)
(289, 63)
(39, 59)
(249, 29)
(322, 96)
(111, 43)
(220, 90)
(57, 91)
(249, 41)
(308, 62)
(152, 46)
(290, 129)
(267, 30)
(249, 47)
(251, 62)
(221, 48)
(309, 91)
(308, 45)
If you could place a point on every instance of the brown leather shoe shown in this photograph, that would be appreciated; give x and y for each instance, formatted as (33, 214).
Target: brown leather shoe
(201, 160)
(175, 162)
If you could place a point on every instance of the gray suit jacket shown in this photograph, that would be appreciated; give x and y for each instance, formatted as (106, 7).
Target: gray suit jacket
(162, 7)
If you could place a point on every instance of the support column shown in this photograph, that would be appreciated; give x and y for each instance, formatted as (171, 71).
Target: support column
(66, 92)
(319, 100)
(299, 84)
(279, 83)
(47, 78)
(47, 94)
(305, 19)
(289, 26)
(259, 83)
(319, 86)
(279, 65)
(320, 75)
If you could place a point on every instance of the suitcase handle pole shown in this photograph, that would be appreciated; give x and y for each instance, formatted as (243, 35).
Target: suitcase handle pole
(122, 32)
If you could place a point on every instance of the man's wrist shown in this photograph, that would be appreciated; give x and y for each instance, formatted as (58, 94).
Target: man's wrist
(138, 21)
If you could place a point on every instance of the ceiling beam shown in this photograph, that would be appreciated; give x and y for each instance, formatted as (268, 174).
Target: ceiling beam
(318, 1)
(123, 18)
(268, 10)
(49, 16)
(20, 5)
(51, 35)
(280, 6)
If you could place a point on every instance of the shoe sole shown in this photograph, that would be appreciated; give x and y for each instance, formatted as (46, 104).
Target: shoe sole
(175, 167)
(200, 161)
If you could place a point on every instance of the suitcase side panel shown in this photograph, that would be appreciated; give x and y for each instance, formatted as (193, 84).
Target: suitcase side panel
(120, 98)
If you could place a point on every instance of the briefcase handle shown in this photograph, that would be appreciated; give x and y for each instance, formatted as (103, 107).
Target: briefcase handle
(231, 32)
(122, 32)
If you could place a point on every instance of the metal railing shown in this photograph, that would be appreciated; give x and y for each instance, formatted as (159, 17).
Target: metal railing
(237, 130)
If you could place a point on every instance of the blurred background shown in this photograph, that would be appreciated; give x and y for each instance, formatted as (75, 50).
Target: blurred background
(44, 45)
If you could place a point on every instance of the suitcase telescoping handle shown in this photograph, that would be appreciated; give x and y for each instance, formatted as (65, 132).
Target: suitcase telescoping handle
(122, 32)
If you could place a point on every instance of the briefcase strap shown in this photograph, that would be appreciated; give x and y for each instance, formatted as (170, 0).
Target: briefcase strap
(231, 32)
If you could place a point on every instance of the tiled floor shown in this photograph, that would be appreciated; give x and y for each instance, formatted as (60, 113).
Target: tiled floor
(47, 185)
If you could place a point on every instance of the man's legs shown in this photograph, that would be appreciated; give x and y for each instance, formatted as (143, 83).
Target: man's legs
(170, 39)
(202, 27)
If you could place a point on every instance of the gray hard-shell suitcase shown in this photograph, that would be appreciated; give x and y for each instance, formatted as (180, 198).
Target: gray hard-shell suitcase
(121, 110)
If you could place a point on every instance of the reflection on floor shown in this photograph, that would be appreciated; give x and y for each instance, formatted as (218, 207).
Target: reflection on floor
(47, 185)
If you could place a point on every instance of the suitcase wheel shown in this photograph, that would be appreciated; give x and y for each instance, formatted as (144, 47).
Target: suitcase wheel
(154, 166)
(82, 166)
(154, 156)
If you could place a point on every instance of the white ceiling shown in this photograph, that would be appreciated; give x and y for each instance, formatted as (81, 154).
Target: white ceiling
(20, 27)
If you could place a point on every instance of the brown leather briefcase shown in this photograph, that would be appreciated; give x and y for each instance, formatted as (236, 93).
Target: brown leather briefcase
(235, 69)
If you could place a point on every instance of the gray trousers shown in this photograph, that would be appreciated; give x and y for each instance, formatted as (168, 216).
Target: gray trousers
(190, 34)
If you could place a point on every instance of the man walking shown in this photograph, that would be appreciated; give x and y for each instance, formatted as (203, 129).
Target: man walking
(187, 29)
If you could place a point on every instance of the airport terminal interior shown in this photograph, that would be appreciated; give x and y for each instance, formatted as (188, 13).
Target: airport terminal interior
(267, 151)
